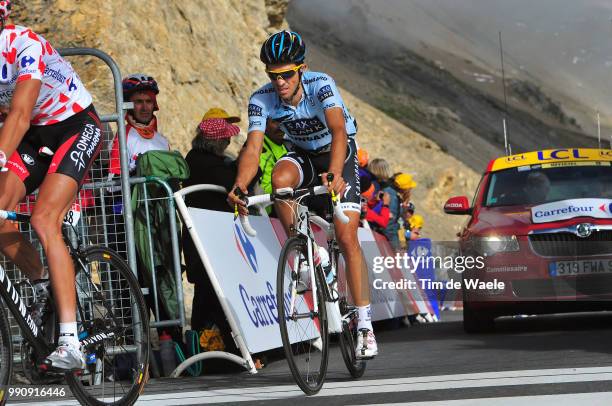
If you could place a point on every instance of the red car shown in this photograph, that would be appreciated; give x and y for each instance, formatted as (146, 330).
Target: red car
(540, 229)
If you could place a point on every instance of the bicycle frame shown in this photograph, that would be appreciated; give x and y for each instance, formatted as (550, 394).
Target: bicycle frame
(302, 226)
(20, 313)
(14, 301)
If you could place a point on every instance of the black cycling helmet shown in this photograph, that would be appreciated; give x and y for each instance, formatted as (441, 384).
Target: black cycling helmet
(283, 47)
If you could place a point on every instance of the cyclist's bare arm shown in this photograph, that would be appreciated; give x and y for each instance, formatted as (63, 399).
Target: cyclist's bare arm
(335, 122)
(248, 163)
(18, 119)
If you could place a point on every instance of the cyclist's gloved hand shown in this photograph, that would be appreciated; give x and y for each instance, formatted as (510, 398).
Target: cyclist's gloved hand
(236, 199)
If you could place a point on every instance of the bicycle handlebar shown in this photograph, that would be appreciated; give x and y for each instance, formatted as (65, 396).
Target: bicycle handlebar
(285, 193)
(13, 216)
(8, 215)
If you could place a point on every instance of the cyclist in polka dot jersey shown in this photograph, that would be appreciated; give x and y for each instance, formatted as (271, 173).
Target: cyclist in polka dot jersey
(49, 110)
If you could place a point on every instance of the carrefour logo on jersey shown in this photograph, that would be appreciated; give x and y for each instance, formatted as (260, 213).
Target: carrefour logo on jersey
(27, 61)
(245, 247)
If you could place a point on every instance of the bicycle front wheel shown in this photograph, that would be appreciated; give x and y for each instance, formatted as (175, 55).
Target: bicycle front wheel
(113, 328)
(303, 331)
(348, 341)
(6, 353)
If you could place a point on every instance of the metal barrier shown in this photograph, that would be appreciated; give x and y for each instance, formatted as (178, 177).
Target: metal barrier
(246, 361)
(168, 199)
(103, 160)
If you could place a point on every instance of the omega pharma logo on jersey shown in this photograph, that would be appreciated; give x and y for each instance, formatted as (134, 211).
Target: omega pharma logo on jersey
(245, 247)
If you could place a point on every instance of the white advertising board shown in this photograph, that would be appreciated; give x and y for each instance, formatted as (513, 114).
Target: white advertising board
(246, 270)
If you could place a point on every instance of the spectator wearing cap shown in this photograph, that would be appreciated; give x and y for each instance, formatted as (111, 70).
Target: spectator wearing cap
(399, 192)
(415, 223)
(217, 112)
(208, 165)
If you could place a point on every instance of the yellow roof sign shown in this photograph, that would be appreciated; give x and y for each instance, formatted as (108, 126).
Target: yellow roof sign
(550, 156)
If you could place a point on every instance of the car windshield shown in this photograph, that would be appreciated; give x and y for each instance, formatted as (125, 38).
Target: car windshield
(531, 185)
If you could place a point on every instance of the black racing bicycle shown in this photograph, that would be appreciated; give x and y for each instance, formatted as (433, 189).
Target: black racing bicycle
(310, 305)
(112, 321)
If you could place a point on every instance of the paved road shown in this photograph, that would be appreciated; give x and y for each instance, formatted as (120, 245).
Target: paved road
(551, 360)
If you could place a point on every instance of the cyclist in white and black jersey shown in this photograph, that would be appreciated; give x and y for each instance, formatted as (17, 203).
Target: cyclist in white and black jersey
(309, 109)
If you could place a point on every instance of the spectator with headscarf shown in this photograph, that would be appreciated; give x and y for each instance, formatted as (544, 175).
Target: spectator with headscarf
(208, 165)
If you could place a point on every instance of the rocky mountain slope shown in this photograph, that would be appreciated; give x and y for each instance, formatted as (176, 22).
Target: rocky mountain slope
(443, 96)
(206, 53)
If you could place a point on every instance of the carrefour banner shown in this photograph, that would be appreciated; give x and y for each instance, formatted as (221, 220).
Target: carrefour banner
(246, 270)
(571, 208)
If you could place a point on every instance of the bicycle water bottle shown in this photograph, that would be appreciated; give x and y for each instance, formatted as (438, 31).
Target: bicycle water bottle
(330, 275)
(167, 352)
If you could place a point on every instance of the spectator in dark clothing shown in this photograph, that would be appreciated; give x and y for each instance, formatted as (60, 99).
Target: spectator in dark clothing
(399, 192)
(208, 165)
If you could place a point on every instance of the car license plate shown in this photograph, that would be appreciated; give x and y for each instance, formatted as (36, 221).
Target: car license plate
(585, 267)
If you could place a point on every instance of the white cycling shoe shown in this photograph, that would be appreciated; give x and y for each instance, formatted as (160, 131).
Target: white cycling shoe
(366, 344)
(66, 357)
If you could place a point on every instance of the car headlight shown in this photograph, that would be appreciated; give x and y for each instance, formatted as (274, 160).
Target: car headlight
(493, 244)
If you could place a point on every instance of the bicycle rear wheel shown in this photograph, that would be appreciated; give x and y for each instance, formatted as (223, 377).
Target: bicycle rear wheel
(6, 353)
(113, 328)
(304, 332)
(348, 336)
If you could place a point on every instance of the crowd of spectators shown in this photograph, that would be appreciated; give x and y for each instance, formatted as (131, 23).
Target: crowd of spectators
(386, 205)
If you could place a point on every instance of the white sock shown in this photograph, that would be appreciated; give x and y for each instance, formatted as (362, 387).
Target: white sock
(364, 319)
(68, 334)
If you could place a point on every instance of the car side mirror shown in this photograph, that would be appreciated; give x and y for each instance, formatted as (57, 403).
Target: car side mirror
(457, 205)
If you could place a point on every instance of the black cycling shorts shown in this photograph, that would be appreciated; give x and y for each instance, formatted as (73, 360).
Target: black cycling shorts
(75, 143)
(312, 165)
